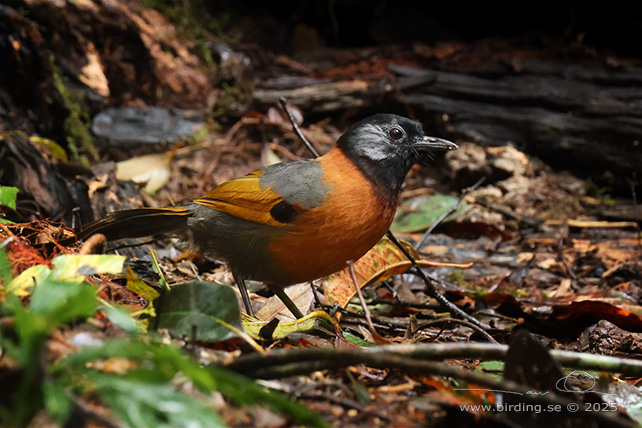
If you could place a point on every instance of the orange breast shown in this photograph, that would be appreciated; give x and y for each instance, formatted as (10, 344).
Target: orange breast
(348, 223)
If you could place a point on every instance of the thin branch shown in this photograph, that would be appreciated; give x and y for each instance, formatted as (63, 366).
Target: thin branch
(250, 363)
(569, 271)
(432, 291)
(284, 104)
(530, 222)
(379, 340)
(456, 321)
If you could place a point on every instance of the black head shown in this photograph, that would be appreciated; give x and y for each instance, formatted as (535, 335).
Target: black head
(385, 146)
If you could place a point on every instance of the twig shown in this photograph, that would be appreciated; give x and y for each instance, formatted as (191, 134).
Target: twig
(249, 364)
(528, 221)
(358, 319)
(452, 209)
(6, 230)
(285, 152)
(400, 327)
(569, 271)
(402, 302)
(284, 104)
(91, 242)
(432, 291)
(379, 340)
(456, 321)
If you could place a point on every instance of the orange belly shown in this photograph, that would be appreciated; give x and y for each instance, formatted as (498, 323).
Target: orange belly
(348, 223)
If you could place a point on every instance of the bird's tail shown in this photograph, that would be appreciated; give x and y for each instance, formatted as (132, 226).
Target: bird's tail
(138, 223)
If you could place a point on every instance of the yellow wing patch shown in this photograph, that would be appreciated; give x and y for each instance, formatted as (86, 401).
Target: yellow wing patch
(244, 198)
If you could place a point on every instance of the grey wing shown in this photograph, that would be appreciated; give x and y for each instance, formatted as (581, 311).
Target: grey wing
(297, 182)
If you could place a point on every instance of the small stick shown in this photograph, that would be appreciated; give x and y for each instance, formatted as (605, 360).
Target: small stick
(569, 271)
(91, 242)
(432, 291)
(447, 321)
(284, 104)
(379, 340)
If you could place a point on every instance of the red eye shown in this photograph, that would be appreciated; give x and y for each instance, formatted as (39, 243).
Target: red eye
(396, 133)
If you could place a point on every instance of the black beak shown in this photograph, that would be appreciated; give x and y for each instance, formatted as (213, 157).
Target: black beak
(432, 143)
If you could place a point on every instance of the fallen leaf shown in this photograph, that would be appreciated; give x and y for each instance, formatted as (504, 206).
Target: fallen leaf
(300, 294)
(307, 323)
(151, 169)
(380, 263)
(418, 214)
(67, 268)
(200, 311)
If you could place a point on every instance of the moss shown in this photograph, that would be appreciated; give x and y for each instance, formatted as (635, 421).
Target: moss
(229, 98)
(78, 123)
(457, 277)
(604, 193)
(192, 19)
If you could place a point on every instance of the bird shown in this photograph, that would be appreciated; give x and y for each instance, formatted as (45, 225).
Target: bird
(294, 222)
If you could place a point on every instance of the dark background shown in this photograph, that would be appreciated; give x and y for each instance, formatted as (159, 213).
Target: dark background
(615, 26)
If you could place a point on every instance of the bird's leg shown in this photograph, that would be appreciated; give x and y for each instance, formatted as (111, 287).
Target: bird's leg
(245, 296)
(281, 294)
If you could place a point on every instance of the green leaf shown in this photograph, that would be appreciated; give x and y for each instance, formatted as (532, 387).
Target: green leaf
(8, 196)
(244, 391)
(492, 368)
(162, 363)
(63, 302)
(5, 268)
(147, 404)
(196, 308)
(120, 318)
(418, 214)
(353, 338)
(312, 322)
(57, 401)
(51, 305)
(156, 267)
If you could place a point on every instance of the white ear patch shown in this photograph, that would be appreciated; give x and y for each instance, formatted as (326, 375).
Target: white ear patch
(374, 143)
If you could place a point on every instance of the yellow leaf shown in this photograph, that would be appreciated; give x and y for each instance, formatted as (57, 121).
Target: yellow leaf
(151, 169)
(67, 268)
(139, 287)
(252, 326)
(55, 149)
